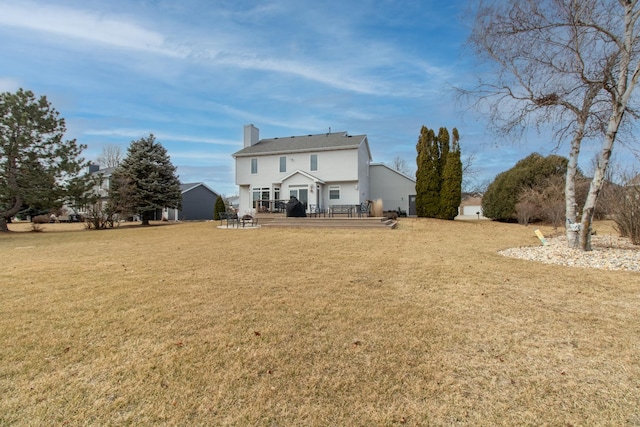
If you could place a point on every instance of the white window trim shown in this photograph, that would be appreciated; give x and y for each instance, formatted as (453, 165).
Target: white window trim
(334, 188)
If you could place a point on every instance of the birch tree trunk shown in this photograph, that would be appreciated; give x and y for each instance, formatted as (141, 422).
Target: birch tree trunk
(598, 180)
(621, 86)
(572, 229)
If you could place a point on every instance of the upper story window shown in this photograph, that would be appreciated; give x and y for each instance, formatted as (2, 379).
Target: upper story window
(254, 166)
(313, 166)
(283, 163)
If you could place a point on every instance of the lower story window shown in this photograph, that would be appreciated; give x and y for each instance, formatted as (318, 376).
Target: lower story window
(334, 192)
(260, 198)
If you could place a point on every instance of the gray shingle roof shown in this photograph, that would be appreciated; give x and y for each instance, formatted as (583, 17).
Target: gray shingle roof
(294, 144)
(104, 171)
(184, 187)
(188, 186)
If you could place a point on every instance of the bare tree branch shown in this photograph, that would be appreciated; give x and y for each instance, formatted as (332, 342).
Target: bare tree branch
(565, 65)
(110, 157)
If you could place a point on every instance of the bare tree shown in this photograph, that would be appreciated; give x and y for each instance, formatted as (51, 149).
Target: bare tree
(526, 211)
(552, 201)
(469, 172)
(543, 201)
(569, 64)
(626, 213)
(399, 164)
(110, 157)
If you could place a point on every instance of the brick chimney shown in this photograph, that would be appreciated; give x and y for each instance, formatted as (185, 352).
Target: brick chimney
(251, 135)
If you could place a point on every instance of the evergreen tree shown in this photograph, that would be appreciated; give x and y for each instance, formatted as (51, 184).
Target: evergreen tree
(145, 180)
(443, 151)
(499, 201)
(438, 185)
(451, 190)
(427, 174)
(36, 165)
(219, 207)
(442, 143)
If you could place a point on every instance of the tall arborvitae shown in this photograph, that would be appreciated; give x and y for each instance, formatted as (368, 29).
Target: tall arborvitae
(439, 174)
(443, 151)
(427, 174)
(421, 163)
(451, 190)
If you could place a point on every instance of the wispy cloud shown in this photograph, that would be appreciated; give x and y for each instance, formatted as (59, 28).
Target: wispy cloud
(85, 26)
(8, 84)
(233, 45)
(314, 72)
(138, 133)
(179, 155)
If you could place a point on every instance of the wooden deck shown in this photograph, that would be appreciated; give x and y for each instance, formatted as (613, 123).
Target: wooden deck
(280, 220)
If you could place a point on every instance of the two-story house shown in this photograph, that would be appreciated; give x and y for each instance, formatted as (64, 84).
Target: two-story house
(320, 170)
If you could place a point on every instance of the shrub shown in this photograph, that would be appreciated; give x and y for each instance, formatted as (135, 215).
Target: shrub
(218, 207)
(41, 219)
(626, 201)
(502, 195)
(526, 211)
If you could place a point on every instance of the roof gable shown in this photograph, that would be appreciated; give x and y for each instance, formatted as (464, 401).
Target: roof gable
(382, 165)
(303, 173)
(184, 188)
(296, 144)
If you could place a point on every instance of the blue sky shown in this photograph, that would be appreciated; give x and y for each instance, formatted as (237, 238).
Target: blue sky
(194, 72)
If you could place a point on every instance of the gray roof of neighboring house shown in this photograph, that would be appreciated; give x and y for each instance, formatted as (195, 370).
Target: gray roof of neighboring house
(190, 186)
(294, 144)
(382, 165)
(104, 171)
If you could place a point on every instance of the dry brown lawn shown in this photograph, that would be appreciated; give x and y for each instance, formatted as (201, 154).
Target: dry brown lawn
(187, 324)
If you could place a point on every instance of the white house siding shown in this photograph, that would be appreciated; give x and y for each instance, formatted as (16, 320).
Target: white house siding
(349, 193)
(244, 200)
(338, 165)
(364, 186)
(391, 186)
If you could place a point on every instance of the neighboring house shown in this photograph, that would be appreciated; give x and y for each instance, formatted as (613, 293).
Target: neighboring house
(233, 202)
(320, 170)
(471, 205)
(396, 189)
(102, 188)
(198, 200)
